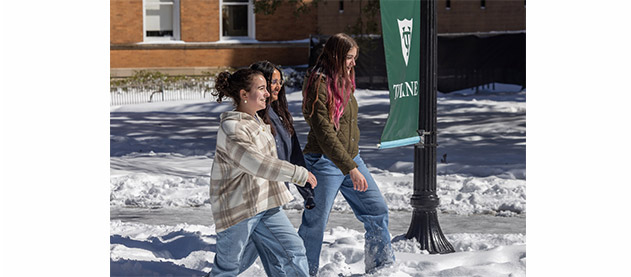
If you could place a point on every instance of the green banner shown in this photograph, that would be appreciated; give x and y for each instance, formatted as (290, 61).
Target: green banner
(400, 22)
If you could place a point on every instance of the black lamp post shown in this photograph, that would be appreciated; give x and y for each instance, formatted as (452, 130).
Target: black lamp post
(424, 226)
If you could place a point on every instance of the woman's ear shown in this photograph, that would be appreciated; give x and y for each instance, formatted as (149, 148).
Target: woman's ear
(243, 94)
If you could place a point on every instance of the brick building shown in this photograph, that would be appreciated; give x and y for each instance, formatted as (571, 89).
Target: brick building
(191, 36)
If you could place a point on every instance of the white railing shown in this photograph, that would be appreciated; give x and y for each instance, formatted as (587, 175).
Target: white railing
(136, 95)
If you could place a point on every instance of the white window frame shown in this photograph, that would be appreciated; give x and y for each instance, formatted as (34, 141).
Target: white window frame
(251, 22)
(176, 23)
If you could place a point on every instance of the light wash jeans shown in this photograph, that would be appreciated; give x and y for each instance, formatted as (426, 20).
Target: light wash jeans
(269, 235)
(369, 207)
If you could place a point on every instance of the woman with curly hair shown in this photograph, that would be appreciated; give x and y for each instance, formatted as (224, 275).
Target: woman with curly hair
(246, 185)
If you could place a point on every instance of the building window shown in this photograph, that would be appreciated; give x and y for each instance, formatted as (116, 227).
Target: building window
(482, 4)
(341, 6)
(237, 19)
(448, 4)
(161, 20)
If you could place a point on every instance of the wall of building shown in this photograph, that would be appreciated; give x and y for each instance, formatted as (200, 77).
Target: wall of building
(214, 57)
(466, 16)
(199, 23)
(125, 21)
(199, 27)
(284, 25)
(199, 20)
(331, 20)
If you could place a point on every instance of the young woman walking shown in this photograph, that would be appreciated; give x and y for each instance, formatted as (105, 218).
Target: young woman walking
(278, 116)
(246, 185)
(332, 154)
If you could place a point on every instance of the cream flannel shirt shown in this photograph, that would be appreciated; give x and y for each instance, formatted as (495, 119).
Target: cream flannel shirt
(247, 177)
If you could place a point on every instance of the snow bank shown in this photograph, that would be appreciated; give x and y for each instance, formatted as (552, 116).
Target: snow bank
(458, 194)
(189, 249)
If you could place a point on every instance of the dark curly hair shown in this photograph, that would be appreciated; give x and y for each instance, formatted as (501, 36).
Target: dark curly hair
(229, 85)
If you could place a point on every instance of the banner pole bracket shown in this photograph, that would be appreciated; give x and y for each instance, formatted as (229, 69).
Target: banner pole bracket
(421, 143)
(421, 134)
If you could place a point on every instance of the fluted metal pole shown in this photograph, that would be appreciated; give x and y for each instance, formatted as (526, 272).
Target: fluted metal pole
(424, 226)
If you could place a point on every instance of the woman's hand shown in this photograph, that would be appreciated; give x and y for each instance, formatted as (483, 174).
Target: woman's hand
(359, 182)
(311, 179)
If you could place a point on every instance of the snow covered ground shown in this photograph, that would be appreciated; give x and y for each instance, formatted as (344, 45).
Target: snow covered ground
(188, 250)
(161, 154)
(55, 170)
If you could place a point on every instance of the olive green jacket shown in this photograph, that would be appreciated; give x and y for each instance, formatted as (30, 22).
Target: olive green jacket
(339, 145)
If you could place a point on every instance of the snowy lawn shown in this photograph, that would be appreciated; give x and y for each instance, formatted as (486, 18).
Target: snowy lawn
(188, 250)
(161, 154)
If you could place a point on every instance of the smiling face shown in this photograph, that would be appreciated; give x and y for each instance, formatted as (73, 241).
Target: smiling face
(349, 62)
(276, 85)
(256, 97)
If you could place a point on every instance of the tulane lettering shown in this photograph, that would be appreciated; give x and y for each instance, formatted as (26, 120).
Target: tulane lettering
(405, 89)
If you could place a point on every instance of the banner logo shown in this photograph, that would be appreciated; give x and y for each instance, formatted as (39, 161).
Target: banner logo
(405, 31)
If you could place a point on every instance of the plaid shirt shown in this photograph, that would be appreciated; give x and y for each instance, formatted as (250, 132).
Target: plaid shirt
(247, 177)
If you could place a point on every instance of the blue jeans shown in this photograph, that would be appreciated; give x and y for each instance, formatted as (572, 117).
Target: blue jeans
(368, 206)
(269, 235)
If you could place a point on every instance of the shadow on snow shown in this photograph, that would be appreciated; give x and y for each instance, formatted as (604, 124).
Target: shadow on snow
(175, 245)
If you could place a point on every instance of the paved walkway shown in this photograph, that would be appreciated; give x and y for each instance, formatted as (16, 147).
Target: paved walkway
(399, 220)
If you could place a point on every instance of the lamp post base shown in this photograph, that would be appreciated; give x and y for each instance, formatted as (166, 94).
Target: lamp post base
(426, 229)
